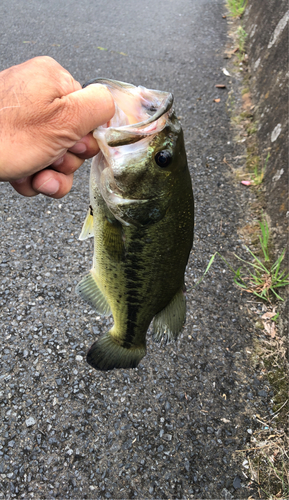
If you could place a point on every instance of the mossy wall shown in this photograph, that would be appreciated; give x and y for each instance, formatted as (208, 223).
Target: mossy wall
(266, 23)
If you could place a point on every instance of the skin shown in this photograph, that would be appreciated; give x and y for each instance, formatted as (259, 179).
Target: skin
(46, 119)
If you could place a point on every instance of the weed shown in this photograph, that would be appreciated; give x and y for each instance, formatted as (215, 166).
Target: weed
(252, 129)
(258, 176)
(246, 114)
(236, 7)
(252, 161)
(264, 239)
(259, 280)
(241, 39)
(237, 119)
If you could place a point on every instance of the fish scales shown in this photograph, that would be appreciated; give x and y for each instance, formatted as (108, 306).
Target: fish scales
(143, 232)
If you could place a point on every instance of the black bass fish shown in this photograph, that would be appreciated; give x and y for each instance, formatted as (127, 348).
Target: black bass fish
(141, 216)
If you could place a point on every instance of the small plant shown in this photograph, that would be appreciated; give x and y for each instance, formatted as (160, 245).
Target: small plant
(252, 129)
(241, 38)
(264, 239)
(257, 176)
(260, 280)
(236, 7)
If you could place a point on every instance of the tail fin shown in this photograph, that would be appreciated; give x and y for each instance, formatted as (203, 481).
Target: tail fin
(107, 353)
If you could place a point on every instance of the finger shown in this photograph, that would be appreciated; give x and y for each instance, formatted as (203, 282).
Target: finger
(88, 108)
(67, 164)
(87, 147)
(51, 183)
(24, 186)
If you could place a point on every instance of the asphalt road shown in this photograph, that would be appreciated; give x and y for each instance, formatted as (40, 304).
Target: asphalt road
(170, 428)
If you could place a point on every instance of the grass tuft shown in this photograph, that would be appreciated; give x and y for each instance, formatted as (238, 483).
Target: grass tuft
(241, 40)
(257, 175)
(236, 7)
(261, 280)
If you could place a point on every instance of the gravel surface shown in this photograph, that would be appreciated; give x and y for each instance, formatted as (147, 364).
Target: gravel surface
(170, 428)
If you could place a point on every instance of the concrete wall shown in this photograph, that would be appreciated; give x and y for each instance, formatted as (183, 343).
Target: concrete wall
(266, 22)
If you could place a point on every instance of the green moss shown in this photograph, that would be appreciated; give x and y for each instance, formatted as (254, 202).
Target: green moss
(246, 114)
(252, 129)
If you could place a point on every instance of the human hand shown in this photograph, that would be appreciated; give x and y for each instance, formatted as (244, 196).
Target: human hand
(46, 120)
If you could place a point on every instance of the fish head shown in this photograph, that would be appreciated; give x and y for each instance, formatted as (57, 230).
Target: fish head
(142, 155)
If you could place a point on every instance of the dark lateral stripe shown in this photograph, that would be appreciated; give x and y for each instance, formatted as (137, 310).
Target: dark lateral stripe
(134, 300)
(132, 268)
(131, 274)
(133, 306)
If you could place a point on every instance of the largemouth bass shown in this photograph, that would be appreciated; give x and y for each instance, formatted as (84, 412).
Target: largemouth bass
(141, 217)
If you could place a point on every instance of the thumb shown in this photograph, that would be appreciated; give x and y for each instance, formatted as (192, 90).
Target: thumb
(89, 108)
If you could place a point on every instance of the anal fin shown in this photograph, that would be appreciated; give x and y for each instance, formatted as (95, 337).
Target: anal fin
(88, 290)
(168, 323)
(107, 353)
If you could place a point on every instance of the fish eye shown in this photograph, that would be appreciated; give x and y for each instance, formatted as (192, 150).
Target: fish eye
(163, 158)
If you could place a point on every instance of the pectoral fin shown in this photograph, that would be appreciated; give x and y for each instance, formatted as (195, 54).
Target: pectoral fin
(168, 323)
(88, 290)
(87, 228)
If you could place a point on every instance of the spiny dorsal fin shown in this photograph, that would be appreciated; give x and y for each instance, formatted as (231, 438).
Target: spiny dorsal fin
(88, 290)
(87, 228)
(168, 323)
(107, 353)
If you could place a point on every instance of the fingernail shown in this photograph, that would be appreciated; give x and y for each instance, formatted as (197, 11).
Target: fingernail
(78, 148)
(49, 187)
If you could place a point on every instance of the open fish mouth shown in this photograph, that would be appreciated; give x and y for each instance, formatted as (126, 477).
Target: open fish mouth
(140, 114)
